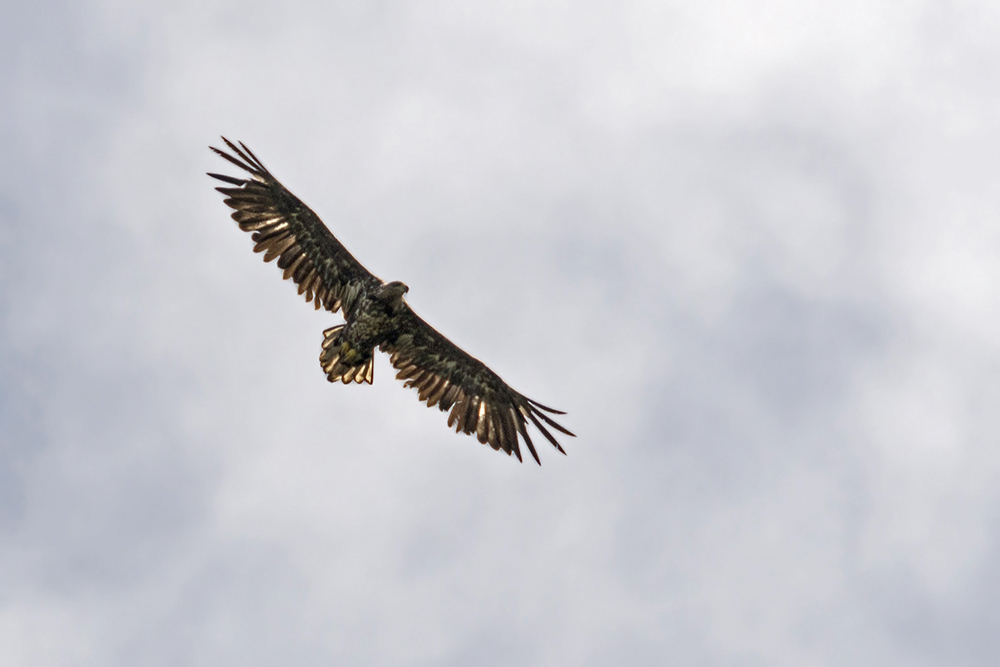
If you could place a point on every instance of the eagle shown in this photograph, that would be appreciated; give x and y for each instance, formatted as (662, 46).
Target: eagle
(376, 315)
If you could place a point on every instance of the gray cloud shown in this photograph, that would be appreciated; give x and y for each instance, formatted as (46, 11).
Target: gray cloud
(750, 249)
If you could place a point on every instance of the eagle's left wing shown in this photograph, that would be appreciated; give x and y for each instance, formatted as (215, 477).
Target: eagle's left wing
(480, 402)
(287, 230)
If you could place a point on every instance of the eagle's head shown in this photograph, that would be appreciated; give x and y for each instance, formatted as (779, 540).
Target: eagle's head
(392, 294)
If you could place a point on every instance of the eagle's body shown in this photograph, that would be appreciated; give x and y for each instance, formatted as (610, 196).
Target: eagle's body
(376, 316)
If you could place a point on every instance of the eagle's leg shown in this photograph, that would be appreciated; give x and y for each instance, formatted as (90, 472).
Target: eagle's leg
(342, 361)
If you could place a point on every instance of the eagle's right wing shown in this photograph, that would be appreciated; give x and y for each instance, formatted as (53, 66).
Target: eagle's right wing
(481, 403)
(285, 228)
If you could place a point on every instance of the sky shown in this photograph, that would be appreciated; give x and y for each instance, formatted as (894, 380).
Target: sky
(750, 247)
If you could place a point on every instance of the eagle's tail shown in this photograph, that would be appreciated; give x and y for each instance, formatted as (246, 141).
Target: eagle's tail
(342, 362)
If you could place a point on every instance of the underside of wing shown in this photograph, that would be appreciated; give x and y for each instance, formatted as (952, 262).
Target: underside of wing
(480, 402)
(287, 230)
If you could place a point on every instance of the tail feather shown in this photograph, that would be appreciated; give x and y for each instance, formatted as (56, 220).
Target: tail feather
(336, 367)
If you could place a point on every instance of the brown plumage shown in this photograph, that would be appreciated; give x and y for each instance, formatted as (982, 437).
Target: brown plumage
(376, 315)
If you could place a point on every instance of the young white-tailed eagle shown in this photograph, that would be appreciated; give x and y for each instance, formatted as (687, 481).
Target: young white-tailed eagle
(376, 315)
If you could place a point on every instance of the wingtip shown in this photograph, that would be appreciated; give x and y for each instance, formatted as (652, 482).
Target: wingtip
(224, 140)
(227, 179)
(544, 407)
(527, 440)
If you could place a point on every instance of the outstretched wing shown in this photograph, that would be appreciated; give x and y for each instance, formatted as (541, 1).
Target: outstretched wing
(287, 230)
(480, 402)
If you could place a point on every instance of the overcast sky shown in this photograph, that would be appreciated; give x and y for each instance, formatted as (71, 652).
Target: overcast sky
(751, 247)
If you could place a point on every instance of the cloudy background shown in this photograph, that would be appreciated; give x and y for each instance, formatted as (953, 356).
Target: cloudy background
(751, 247)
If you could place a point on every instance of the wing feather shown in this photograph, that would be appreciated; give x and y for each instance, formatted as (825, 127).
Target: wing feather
(480, 403)
(552, 410)
(287, 230)
(458, 414)
(451, 396)
(527, 439)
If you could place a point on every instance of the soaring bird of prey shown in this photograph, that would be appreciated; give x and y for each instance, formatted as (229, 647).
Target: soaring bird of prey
(376, 315)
